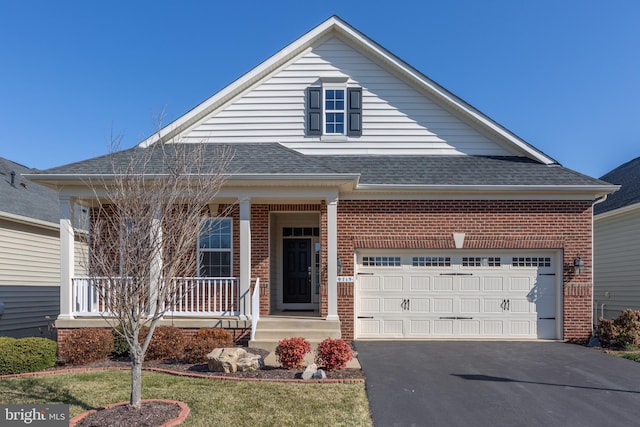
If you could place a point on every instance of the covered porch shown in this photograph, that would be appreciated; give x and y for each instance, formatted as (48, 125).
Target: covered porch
(261, 228)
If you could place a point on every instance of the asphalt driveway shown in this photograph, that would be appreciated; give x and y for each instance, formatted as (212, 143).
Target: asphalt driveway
(435, 383)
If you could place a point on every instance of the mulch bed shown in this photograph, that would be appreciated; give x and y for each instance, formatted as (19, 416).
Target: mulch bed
(268, 373)
(151, 414)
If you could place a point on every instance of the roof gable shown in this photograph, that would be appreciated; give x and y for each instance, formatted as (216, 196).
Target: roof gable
(473, 132)
(628, 177)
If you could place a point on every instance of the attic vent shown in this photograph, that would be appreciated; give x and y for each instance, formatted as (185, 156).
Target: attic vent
(13, 178)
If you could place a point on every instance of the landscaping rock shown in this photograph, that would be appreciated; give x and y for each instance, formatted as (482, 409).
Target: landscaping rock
(310, 371)
(233, 360)
(319, 375)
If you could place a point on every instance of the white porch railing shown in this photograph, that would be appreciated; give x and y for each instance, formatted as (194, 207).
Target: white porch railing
(255, 308)
(194, 296)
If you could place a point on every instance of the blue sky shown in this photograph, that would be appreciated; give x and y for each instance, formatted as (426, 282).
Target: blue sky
(563, 75)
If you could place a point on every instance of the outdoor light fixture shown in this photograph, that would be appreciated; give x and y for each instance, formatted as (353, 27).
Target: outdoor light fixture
(578, 265)
(339, 265)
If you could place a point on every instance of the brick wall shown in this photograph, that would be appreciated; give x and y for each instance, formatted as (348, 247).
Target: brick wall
(490, 224)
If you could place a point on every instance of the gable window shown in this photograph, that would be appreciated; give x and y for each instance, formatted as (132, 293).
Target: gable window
(334, 111)
(215, 248)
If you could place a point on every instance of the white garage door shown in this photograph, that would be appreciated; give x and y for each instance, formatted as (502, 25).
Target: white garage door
(468, 295)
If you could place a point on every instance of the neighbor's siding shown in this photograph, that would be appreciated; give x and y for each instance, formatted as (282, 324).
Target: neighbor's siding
(25, 310)
(393, 112)
(617, 262)
(29, 255)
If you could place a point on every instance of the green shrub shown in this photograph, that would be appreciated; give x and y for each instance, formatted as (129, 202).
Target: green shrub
(333, 354)
(621, 332)
(6, 340)
(120, 344)
(291, 352)
(167, 343)
(88, 345)
(204, 341)
(27, 355)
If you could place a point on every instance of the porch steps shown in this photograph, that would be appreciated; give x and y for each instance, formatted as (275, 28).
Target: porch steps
(271, 329)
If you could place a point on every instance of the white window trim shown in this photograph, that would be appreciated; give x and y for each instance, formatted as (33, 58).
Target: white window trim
(325, 111)
(230, 249)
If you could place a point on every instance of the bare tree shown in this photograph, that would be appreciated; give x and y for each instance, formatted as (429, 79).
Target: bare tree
(144, 227)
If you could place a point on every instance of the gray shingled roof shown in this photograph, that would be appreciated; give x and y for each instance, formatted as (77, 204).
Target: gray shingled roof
(275, 159)
(26, 198)
(456, 170)
(268, 158)
(628, 177)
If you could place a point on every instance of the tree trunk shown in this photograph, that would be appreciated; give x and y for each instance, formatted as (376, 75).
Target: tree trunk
(135, 400)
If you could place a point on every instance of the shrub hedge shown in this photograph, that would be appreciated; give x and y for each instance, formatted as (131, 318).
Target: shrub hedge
(27, 355)
(291, 351)
(86, 345)
(333, 354)
(204, 341)
(167, 343)
(620, 332)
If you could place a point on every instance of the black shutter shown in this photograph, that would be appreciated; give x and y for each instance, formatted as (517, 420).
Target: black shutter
(314, 111)
(354, 111)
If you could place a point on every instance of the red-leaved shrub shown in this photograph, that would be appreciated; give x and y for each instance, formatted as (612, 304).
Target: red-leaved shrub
(333, 354)
(204, 342)
(87, 345)
(621, 331)
(291, 352)
(167, 343)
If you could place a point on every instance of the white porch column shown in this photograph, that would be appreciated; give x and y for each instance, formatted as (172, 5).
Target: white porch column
(67, 260)
(155, 271)
(332, 259)
(245, 257)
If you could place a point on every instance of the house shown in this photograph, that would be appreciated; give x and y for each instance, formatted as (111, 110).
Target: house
(616, 231)
(29, 253)
(370, 202)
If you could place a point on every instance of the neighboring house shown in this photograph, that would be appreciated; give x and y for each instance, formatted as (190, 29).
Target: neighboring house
(616, 230)
(29, 253)
(372, 198)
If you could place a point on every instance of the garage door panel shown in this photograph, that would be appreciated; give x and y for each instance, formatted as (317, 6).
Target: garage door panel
(420, 305)
(493, 284)
(420, 327)
(469, 284)
(521, 306)
(443, 283)
(370, 305)
(393, 305)
(522, 328)
(392, 327)
(520, 284)
(370, 283)
(392, 283)
(443, 305)
(470, 305)
(470, 328)
(494, 328)
(420, 283)
(492, 305)
(443, 327)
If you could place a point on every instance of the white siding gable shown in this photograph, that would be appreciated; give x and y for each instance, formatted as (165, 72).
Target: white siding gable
(397, 118)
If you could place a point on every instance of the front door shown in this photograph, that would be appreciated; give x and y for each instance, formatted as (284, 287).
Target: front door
(297, 271)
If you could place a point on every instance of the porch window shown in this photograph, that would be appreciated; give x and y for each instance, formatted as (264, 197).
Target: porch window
(215, 248)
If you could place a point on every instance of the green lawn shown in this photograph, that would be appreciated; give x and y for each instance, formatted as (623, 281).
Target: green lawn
(212, 402)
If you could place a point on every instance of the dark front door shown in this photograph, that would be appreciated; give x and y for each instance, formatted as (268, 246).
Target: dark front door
(297, 271)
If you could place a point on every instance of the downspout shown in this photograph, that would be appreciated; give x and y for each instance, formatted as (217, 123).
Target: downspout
(593, 307)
